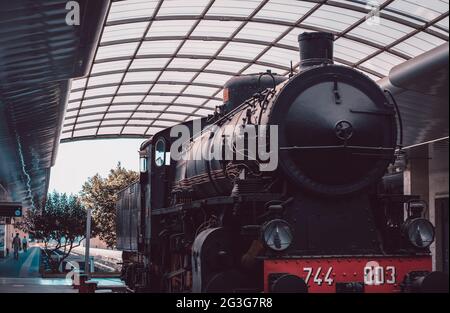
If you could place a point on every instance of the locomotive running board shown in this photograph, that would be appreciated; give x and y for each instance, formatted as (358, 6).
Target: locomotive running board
(197, 204)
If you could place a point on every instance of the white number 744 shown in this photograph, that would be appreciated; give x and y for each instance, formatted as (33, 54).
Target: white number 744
(317, 279)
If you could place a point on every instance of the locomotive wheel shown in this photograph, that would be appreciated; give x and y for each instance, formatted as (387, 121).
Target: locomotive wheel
(227, 282)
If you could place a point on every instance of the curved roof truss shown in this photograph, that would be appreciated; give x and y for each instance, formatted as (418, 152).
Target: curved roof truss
(162, 62)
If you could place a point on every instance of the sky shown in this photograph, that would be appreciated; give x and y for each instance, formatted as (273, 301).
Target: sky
(77, 161)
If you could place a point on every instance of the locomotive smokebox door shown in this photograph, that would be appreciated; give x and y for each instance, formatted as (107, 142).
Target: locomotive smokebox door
(337, 132)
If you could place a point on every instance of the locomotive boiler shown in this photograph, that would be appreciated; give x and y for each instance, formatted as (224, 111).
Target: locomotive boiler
(283, 189)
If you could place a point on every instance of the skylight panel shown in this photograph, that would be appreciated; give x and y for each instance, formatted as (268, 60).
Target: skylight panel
(190, 100)
(130, 9)
(121, 99)
(280, 56)
(110, 66)
(226, 66)
(105, 130)
(153, 130)
(116, 51)
(71, 114)
(78, 83)
(93, 125)
(384, 33)
(159, 47)
(214, 28)
(156, 107)
(124, 31)
(105, 79)
(173, 116)
(149, 63)
(84, 132)
(86, 115)
(260, 31)
(423, 10)
(285, 10)
(66, 134)
(73, 105)
(167, 88)
(92, 110)
(190, 63)
(182, 7)
(75, 95)
(180, 109)
(134, 130)
(164, 124)
(96, 101)
(418, 44)
(200, 47)
(143, 122)
(114, 122)
(146, 76)
(134, 88)
(333, 18)
(383, 63)
(117, 115)
(122, 107)
(177, 76)
(200, 90)
(146, 115)
(236, 8)
(242, 50)
(216, 78)
(100, 91)
(351, 50)
(158, 99)
(443, 23)
(179, 28)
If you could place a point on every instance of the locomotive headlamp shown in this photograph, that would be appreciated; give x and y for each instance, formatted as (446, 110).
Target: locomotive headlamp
(419, 231)
(277, 235)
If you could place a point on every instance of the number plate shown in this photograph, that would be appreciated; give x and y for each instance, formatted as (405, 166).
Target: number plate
(378, 274)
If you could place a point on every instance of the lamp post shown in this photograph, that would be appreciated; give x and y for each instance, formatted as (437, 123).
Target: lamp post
(87, 269)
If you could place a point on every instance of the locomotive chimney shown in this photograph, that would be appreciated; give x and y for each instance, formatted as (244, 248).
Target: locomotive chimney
(315, 49)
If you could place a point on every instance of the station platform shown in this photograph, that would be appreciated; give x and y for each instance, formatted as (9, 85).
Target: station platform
(34, 285)
(22, 276)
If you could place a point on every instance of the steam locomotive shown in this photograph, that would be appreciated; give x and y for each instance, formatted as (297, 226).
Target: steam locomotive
(325, 218)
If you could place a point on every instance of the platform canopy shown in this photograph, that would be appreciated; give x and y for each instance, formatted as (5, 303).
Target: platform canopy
(162, 62)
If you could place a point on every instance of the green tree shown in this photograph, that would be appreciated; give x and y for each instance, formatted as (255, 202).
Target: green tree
(100, 194)
(60, 222)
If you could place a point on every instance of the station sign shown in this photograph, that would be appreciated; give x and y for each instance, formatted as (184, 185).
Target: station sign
(10, 209)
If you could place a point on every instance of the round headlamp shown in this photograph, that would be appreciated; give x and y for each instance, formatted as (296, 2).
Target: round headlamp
(277, 235)
(419, 231)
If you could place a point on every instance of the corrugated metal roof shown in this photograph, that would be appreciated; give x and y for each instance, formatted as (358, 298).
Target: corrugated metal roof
(39, 54)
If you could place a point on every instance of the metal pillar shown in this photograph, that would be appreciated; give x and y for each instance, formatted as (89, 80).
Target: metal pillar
(87, 269)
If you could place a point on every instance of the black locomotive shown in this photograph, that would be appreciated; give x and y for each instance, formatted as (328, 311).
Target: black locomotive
(323, 220)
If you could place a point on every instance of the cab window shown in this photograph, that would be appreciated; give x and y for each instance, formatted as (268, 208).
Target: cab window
(160, 152)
